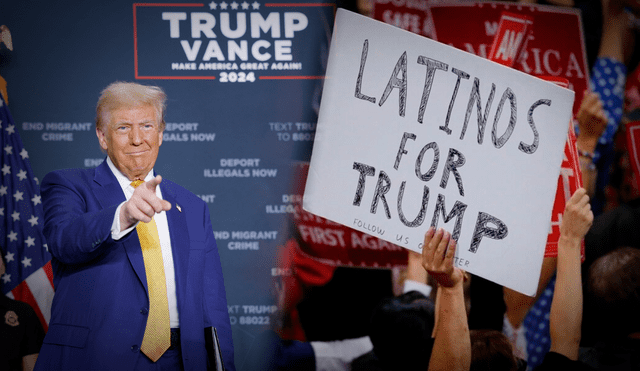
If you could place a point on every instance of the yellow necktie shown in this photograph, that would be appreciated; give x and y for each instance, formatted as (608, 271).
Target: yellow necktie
(157, 334)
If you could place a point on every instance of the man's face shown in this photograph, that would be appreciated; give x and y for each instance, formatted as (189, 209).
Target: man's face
(132, 138)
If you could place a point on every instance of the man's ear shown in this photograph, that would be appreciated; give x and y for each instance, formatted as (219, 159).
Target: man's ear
(102, 138)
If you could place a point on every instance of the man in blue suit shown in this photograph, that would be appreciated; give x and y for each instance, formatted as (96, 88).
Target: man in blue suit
(111, 311)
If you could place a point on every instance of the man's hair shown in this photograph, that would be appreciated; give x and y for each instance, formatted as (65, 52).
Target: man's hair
(129, 95)
(491, 351)
(613, 286)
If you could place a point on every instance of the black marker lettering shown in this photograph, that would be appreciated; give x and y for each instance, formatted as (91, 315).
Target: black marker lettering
(363, 60)
(457, 211)
(423, 208)
(401, 150)
(531, 148)
(455, 159)
(499, 142)
(461, 75)
(401, 84)
(482, 120)
(382, 187)
(436, 158)
(481, 230)
(432, 66)
(365, 170)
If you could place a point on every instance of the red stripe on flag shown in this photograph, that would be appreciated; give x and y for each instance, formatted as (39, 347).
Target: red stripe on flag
(48, 271)
(23, 293)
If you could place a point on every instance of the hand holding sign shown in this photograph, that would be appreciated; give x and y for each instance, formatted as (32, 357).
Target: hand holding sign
(437, 258)
(577, 218)
(143, 205)
(452, 346)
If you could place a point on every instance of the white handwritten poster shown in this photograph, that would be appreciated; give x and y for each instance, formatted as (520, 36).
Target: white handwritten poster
(413, 133)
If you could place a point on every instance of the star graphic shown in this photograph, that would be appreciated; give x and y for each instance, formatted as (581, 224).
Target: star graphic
(22, 174)
(9, 257)
(245, 5)
(1, 211)
(223, 5)
(3, 190)
(33, 220)
(24, 154)
(37, 199)
(15, 216)
(26, 262)
(11, 129)
(9, 150)
(6, 278)
(213, 5)
(30, 241)
(46, 247)
(35, 179)
(6, 169)
(18, 195)
(13, 236)
(256, 5)
(234, 6)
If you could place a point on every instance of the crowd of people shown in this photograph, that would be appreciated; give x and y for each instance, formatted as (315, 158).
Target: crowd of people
(584, 315)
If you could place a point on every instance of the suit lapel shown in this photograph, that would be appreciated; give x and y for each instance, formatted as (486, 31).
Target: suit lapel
(108, 192)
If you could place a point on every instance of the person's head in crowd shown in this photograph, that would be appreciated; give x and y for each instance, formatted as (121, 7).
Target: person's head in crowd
(401, 330)
(613, 289)
(492, 351)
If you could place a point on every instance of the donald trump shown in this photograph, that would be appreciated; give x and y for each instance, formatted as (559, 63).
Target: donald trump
(136, 269)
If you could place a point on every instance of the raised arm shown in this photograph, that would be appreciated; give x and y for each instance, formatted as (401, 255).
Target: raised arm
(592, 121)
(566, 309)
(452, 345)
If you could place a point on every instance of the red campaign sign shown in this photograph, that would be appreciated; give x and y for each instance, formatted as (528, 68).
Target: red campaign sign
(569, 181)
(336, 244)
(632, 90)
(556, 47)
(410, 15)
(633, 147)
(510, 39)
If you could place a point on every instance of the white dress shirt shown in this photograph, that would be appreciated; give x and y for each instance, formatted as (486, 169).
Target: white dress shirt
(163, 232)
(410, 285)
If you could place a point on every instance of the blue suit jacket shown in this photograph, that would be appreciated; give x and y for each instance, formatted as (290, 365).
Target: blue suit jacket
(100, 306)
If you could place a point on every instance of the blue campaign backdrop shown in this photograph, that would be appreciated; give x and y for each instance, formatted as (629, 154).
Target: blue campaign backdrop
(243, 80)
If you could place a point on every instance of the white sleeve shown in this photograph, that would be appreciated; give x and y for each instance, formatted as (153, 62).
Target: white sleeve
(337, 355)
(420, 287)
(116, 234)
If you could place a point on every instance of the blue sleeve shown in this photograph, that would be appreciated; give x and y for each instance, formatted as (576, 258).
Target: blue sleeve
(74, 233)
(608, 79)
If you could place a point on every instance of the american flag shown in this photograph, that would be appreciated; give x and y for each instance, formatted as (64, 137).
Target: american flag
(28, 276)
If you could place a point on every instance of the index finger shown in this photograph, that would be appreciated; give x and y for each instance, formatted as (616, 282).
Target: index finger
(579, 197)
(153, 183)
